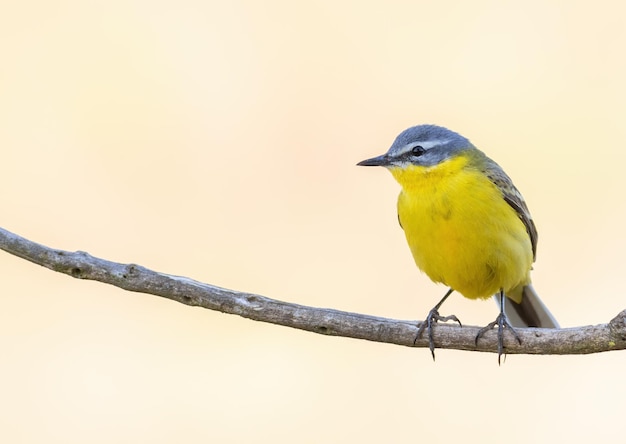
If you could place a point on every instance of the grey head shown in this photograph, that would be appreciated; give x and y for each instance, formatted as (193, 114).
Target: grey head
(424, 145)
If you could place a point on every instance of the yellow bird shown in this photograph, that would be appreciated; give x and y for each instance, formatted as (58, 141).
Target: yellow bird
(467, 226)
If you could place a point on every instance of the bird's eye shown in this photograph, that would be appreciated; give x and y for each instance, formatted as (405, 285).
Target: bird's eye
(417, 150)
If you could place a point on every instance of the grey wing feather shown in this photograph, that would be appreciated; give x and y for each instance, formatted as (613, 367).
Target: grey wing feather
(514, 198)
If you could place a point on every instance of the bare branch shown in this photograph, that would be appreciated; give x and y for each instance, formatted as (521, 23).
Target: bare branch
(81, 265)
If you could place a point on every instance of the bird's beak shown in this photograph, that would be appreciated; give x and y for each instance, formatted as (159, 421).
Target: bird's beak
(375, 161)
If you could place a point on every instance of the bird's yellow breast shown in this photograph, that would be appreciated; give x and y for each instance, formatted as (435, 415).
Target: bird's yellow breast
(460, 229)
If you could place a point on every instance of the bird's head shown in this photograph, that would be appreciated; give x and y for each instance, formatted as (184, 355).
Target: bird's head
(422, 145)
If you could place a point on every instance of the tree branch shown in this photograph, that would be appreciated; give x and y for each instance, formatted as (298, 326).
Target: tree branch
(131, 277)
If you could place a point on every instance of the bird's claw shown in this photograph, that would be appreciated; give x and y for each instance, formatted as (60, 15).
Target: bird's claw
(432, 318)
(503, 323)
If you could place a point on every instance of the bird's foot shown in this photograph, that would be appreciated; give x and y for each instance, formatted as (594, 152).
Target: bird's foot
(503, 323)
(432, 318)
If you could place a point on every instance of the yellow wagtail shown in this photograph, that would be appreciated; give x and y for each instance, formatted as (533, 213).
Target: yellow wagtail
(467, 226)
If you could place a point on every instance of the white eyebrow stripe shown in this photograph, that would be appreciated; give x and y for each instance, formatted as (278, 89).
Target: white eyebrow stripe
(427, 144)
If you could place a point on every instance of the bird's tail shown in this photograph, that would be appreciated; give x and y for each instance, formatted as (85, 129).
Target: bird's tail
(531, 312)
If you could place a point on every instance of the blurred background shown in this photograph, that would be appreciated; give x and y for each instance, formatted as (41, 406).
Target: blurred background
(218, 140)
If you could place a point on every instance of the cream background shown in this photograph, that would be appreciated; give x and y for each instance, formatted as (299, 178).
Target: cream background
(218, 140)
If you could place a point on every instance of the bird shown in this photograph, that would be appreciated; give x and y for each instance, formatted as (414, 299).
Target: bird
(467, 227)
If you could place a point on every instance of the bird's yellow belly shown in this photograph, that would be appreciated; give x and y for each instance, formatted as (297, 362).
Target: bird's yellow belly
(463, 233)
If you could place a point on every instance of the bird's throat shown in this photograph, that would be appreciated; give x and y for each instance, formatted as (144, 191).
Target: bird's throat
(418, 176)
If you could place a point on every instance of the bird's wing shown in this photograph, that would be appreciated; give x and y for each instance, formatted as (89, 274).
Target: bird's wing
(514, 198)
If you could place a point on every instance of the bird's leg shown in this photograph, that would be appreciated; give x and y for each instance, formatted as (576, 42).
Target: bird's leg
(432, 318)
(502, 322)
